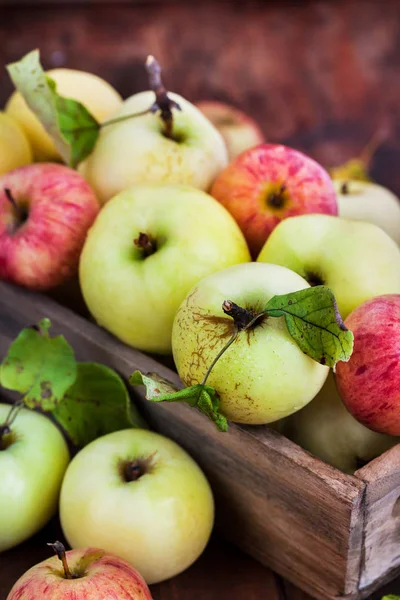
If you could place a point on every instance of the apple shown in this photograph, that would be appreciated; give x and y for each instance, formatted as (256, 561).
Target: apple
(370, 383)
(269, 183)
(366, 201)
(98, 96)
(15, 150)
(149, 245)
(45, 212)
(263, 376)
(139, 495)
(88, 574)
(33, 460)
(326, 429)
(136, 150)
(238, 129)
(357, 260)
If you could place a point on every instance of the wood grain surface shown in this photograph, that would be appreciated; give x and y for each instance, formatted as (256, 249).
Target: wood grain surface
(321, 76)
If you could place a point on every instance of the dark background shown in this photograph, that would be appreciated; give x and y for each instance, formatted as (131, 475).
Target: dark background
(322, 76)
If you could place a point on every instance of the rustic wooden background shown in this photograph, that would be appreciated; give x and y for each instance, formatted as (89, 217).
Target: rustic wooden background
(322, 76)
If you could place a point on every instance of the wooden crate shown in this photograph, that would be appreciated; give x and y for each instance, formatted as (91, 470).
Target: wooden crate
(331, 534)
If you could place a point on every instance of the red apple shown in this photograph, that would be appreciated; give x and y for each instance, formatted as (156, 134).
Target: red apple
(88, 574)
(45, 212)
(269, 183)
(369, 383)
(239, 131)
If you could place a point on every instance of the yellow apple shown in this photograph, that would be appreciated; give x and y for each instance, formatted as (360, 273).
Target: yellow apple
(134, 289)
(15, 150)
(136, 151)
(98, 96)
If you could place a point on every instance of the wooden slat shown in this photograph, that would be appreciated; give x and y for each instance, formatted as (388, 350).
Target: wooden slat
(284, 507)
(381, 555)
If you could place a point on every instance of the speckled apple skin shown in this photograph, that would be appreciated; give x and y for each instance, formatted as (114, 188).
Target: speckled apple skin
(243, 188)
(44, 251)
(369, 383)
(107, 577)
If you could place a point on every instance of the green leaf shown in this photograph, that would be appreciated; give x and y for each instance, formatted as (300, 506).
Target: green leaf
(38, 366)
(314, 322)
(96, 404)
(69, 124)
(202, 397)
(391, 597)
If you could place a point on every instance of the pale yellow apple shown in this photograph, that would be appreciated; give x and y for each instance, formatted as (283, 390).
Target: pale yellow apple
(136, 151)
(15, 150)
(366, 201)
(98, 96)
(326, 429)
(263, 376)
(357, 260)
(136, 296)
(140, 496)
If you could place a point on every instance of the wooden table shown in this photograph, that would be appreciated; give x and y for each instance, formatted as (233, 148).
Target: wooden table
(221, 573)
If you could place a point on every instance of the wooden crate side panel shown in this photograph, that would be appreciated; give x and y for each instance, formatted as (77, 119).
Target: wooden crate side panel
(381, 545)
(284, 507)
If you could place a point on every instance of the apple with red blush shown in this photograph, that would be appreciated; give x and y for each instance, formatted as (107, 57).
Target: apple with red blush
(239, 130)
(46, 210)
(369, 384)
(85, 573)
(269, 183)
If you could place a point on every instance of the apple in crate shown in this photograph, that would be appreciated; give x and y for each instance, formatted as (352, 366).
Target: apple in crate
(85, 574)
(139, 495)
(357, 260)
(269, 183)
(326, 429)
(33, 460)
(45, 212)
(15, 150)
(370, 383)
(366, 201)
(136, 150)
(238, 129)
(147, 248)
(98, 96)
(263, 376)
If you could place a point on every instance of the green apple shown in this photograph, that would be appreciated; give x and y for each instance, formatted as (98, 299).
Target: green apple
(326, 429)
(147, 248)
(357, 260)
(33, 460)
(136, 151)
(140, 496)
(15, 150)
(263, 376)
(98, 96)
(366, 201)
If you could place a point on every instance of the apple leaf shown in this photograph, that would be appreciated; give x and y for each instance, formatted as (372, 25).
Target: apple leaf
(314, 322)
(354, 169)
(202, 397)
(391, 597)
(70, 125)
(96, 404)
(39, 366)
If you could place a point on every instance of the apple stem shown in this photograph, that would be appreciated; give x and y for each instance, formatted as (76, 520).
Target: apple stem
(243, 318)
(163, 102)
(59, 549)
(220, 353)
(12, 201)
(344, 188)
(5, 428)
(146, 244)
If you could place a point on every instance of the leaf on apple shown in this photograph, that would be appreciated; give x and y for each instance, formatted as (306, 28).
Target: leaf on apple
(202, 397)
(314, 322)
(39, 366)
(391, 597)
(70, 125)
(96, 404)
